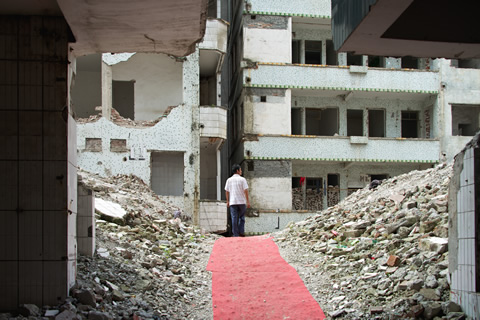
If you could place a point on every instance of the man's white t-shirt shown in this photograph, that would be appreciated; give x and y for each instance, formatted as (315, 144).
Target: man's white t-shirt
(236, 186)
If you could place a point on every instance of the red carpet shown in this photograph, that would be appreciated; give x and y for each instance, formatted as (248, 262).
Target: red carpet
(250, 280)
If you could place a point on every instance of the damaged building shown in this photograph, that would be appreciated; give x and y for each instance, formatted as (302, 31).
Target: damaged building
(311, 125)
(161, 118)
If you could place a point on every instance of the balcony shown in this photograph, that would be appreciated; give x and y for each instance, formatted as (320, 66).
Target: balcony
(213, 122)
(362, 81)
(344, 149)
(304, 8)
(213, 47)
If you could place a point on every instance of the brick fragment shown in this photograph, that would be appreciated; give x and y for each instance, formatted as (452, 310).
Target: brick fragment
(393, 261)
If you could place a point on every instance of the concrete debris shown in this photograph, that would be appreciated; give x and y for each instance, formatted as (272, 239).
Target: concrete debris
(124, 122)
(150, 266)
(380, 253)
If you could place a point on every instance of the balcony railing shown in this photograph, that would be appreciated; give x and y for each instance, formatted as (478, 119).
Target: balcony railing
(316, 77)
(343, 149)
(213, 122)
(215, 36)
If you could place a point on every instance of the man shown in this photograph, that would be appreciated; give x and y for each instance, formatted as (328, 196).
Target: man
(236, 192)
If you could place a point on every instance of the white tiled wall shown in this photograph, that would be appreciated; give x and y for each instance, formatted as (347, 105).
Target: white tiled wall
(463, 278)
(213, 216)
(86, 221)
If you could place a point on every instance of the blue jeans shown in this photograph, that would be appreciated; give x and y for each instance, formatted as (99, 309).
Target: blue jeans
(237, 212)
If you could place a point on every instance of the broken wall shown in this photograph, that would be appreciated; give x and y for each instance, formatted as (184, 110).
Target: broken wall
(458, 87)
(86, 92)
(158, 82)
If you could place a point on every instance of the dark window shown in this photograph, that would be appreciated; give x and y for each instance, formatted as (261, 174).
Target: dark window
(354, 60)
(354, 122)
(123, 99)
(313, 52)
(376, 123)
(331, 54)
(409, 124)
(321, 122)
(263, 98)
(465, 120)
(409, 62)
(296, 121)
(295, 51)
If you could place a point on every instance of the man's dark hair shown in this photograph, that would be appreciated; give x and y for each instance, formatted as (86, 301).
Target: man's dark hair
(235, 167)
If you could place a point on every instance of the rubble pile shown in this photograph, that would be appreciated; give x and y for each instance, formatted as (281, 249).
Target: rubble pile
(380, 253)
(149, 265)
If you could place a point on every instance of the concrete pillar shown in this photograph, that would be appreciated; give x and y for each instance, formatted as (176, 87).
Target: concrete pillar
(86, 221)
(364, 60)
(302, 51)
(303, 127)
(392, 63)
(38, 190)
(106, 91)
(342, 59)
(324, 53)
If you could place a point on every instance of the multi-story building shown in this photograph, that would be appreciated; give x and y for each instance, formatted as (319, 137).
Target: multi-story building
(161, 118)
(310, 125)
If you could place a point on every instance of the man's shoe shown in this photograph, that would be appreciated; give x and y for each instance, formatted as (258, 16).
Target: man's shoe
(242, 234)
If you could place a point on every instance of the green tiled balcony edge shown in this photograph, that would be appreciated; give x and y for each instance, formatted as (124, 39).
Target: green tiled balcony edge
(273, 86)
(305, 15)
(342, 159)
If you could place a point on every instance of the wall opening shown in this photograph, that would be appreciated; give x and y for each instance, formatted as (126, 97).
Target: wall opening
(410, 124)
(376, 61)
(296, 51)
(212, 8)
(466, 63)
(93, 144)
(321, 122)
(354, 60)
(333, 192)
(208, 91)
(465, 120)
(379, 177)
(296, 121)
(167, 173)
(87, 89)
(307, 193)
(123, 98)
(118, 145)
(409, 62)
(354, 122)
(313, 52)
(376, 123)
(208, 171)
(331, 54)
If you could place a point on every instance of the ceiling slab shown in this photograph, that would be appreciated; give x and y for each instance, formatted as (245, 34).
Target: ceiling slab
(167, 26)
(418, 28)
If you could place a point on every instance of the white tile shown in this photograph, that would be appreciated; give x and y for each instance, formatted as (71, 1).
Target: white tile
(8, 235)
(72, 191)
(30, 288)
(55, 235)
(55, 287)
(55, 182)
(30, 235)
(54, 136)
(8, 285)
(9, 185)
(30, 185)
(72, 141)
(461, 251)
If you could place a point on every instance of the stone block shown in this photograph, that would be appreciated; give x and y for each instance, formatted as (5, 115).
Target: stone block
(393, 261)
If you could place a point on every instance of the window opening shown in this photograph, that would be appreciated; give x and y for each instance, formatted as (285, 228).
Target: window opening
(307, 193)
(469, 63)
(465, 120)
(378, 177)
(313, 52)
(123, 98)
(167, 173)
(376, 123)
(409, 62)
(333, 192)
(354, 60)
(296, 121)
(321, 122)
(355, 122)
(93, 144)
(263, 98)
(295, 51)
(376, 62)
(118, 145)
(409, 124)
(331, 54)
